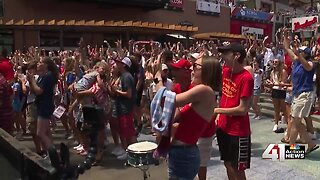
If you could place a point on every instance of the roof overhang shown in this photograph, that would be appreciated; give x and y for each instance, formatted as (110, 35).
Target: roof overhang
(97, 23)
(220, 35)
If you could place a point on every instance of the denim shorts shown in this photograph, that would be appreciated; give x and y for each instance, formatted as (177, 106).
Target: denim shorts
(257, 92)
(184, 162)
(289, 98)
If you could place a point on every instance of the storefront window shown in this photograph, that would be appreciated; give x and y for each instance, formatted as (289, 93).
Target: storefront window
(6, 40)
(112, 38)
(71, 39)
(265, 7)
(49, 39)
(1, 8)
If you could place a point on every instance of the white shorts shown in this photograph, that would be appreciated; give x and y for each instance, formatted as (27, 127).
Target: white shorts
(301, 105)
(205, 148)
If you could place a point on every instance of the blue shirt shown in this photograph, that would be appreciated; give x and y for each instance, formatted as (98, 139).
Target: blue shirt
(45, 101)
(302, 80)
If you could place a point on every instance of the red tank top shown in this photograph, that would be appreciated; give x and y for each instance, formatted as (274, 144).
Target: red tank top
(191, 126)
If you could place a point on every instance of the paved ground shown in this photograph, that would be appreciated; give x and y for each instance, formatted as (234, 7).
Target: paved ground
(262, 135)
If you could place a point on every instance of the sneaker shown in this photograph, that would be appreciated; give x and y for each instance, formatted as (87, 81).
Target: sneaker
(77, 147)
(275, 127)
(80, 149)
(257, 118)
(122, 157)
(316, 113)
(19, 136)
(115, 150)
(313, 135)
(279, 130)
(47, 158)
(70, 137)
(119, 151)
(84, 153)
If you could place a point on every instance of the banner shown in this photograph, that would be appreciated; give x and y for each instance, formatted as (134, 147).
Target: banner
(309, 22)
(255, 32)
(176, 4)
(237, 27)
(251, 14)
(205, 7)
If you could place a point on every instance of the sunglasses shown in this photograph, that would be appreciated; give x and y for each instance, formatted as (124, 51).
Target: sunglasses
(196, 66)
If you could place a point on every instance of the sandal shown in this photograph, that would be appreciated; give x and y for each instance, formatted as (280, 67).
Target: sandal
(283, 140)
(315, 147)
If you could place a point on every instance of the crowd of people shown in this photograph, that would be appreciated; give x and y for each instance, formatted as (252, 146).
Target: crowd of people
(40, 87)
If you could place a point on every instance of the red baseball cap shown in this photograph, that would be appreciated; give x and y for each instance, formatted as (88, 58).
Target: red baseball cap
(181, 64)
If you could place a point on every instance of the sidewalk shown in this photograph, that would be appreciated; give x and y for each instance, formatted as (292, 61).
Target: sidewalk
(262, 136)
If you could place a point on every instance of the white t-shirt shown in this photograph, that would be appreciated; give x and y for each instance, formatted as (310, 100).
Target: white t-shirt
(267, 56)
(257, 79)
(31, 97)
(169, 84)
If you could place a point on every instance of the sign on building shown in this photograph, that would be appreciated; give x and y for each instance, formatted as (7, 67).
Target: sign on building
(301, 23)
(209, 8)
(258, 33)
(175, 5)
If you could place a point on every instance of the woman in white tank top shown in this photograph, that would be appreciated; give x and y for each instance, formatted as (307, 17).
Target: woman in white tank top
(278, 78)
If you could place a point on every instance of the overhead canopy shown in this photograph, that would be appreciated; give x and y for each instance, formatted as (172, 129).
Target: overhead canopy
(215, 35)
(98, 23)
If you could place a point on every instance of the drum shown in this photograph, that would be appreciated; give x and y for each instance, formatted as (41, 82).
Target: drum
(141, 153)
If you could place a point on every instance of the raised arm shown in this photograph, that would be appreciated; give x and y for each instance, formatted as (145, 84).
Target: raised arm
(286, 45)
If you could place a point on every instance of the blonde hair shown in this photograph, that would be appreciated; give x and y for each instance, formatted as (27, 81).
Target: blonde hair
(279, 70)
(69, 65)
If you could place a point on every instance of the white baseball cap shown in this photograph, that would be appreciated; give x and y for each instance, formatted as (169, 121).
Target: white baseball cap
(126, 61)
(164, 67)
(195, 55)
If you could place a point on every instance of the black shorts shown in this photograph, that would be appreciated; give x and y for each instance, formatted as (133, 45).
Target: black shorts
(234, 149)
(139, 97)
(278, 94)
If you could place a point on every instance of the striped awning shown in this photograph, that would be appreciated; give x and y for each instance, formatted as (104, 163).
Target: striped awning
(98, 23)
(213, 35)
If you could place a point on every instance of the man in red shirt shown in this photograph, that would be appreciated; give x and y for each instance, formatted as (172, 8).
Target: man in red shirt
(233, 132)
(6, 68)
(182, 76)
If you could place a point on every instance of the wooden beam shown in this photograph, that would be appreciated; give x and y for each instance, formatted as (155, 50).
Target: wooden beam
(137, 24)
(145, 24)
(21, 22)
(52, 22)
(100, 23)
(61, 23)
(109, 23)
(31, 22)
(118, 23)
(10, 22)
(41, 22)
(172, 27)
(89, 23)
(71, 22)
(80, 23)
(128, 23)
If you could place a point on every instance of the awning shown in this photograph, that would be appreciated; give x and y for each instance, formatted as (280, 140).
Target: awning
(98, 23)
(213, 35)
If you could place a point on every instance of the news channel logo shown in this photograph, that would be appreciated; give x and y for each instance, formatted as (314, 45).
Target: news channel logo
(281, 152)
